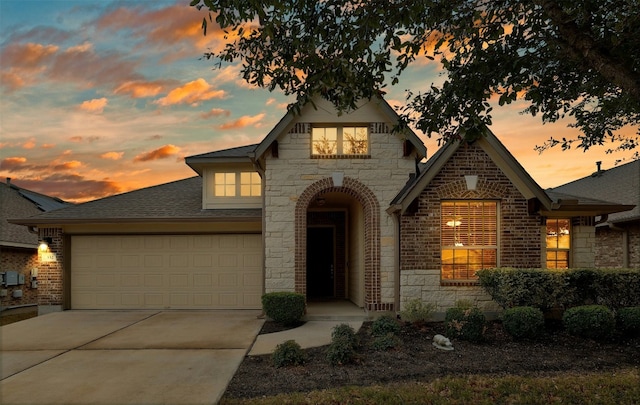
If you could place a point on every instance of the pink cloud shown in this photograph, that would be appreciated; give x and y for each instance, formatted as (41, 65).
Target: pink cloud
(13, 163)
(112, 155)
(79, 139)
(27, 56)
(243, 121)
(160, 153)
(215, 112)
(73, 164)
(95, 105)
(70, 187)
(30, 144)
(11, 81)
(191, 93)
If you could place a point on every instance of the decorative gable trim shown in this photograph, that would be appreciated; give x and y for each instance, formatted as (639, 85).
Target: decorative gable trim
(300, 128)
(484, 190)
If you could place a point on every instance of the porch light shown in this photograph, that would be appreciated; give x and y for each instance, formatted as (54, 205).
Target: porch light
(44, 244)
(472, 182)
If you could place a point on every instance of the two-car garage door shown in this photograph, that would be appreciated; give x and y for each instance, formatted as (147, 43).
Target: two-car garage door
(166, 271)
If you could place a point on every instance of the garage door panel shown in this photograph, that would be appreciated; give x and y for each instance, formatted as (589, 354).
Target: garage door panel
(171, 271)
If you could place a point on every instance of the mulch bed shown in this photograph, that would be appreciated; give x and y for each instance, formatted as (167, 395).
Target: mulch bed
(416, 359)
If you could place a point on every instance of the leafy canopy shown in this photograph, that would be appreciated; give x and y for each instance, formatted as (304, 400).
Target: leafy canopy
(562, 58)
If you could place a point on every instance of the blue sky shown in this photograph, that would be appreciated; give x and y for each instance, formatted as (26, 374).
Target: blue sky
(103, 97)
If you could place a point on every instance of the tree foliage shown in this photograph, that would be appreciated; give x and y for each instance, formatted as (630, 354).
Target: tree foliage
(563, 58)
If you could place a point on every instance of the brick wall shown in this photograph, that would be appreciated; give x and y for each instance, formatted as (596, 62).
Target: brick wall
(22, 261)
(609, 247)
(50, 274)
(519, 233)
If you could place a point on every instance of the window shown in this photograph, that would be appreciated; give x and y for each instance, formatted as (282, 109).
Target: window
(250, 184)
(231, 184)
(339, 141)
(469, 238)
(225, 184)
(558, 243)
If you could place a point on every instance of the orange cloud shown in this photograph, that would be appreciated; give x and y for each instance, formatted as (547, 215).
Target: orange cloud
(243, 121)
(13, 163)
(191, 93)
(160, 153)
(27, 56)
(11, 81)
(30, 144)
(215, 112)
(95, 106)
(79, 138)
(70, 187)
(48, 145)
(140, 88)
(73, 164)
(112, 155)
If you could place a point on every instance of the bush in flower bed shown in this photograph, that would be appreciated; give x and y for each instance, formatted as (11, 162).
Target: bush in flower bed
(628, 320)
(284, 307)
(288, 353)
(465, 323)
(523, 322)
(589, 321)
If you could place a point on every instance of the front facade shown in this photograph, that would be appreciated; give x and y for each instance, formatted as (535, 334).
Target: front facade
(334, 206)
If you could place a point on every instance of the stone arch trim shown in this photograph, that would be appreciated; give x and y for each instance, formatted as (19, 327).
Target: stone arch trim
(371, 210)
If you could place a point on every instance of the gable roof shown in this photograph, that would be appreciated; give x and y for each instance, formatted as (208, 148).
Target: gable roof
(232, 155)
(289, 119)
(620, 184)
(178, 201)
(20, 202)
(496, 151)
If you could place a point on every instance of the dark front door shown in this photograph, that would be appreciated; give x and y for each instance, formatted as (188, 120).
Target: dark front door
(320, 262)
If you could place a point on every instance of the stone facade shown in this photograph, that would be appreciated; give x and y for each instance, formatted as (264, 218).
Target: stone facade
(612, 245)
(294, 179)
(519, 232)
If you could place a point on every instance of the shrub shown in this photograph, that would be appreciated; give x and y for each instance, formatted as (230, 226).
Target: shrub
(283, 307)
(467, 324)
(628, 320)
(384, 325)
(342, 349)
(523, 322)
(589, 321)
(288, 353)
(416, 311)
(385, 342)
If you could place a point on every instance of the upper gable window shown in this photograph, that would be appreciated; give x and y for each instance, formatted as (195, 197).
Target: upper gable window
(340, 141)
(231, 184)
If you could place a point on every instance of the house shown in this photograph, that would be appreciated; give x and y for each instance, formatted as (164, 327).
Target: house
(617, 234)
(19, 245)
(334, 206)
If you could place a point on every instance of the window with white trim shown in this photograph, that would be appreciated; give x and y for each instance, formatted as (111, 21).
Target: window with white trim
(232, 184)
(469, 238)
(340, 141)
(558, 243)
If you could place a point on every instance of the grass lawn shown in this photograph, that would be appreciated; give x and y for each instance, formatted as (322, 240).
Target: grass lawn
(621, 387)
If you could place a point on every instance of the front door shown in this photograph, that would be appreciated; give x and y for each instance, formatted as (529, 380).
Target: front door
(320, 263)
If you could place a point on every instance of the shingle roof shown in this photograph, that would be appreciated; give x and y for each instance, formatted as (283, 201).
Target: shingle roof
(171, 202)
(19, 202)
(241, 151)
(619, 184)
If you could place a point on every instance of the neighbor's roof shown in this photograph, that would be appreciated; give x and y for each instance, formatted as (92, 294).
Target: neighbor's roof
(178, 201)
(620, 184)
(19, 202)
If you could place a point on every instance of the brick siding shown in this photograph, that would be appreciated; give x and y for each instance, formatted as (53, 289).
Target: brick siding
(22, 261)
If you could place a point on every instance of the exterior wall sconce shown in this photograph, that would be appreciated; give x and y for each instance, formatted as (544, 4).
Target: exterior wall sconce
(44, 244)
(337, 177)
(472, 182)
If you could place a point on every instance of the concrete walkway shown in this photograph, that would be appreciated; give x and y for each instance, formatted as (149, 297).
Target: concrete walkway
(320, 319)
(124, 357)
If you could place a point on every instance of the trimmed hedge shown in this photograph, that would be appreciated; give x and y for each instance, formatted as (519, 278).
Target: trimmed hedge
(589, 321)
(384, 325)
(628, 320)
(288, 353)
(546, 289)
(284, 307)
(523, 322)
(465, 323)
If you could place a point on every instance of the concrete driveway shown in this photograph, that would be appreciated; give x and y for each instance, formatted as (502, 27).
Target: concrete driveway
(124, 357)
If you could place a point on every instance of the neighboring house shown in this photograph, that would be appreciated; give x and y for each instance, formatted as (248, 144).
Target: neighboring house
(334, 206)
(19, 244)
(617, 234)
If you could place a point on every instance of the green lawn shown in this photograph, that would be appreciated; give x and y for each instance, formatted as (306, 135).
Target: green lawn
(619, 388)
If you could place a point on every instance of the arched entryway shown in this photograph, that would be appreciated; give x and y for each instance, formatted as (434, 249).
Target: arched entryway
(317, 215)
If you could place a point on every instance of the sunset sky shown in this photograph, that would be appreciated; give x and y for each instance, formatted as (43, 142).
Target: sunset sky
(102, 97)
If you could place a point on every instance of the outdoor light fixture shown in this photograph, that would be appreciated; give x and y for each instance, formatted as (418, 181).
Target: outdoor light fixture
(472, 182)
(44, 244)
